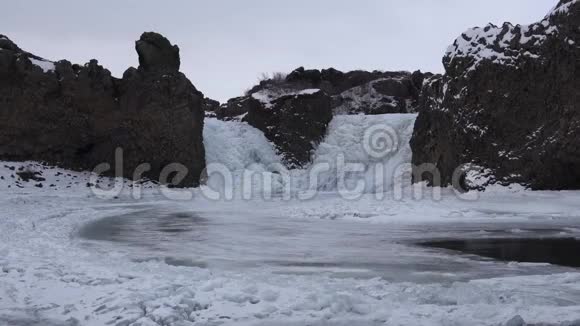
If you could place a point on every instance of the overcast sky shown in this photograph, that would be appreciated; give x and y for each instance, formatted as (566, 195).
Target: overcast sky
(227, 45)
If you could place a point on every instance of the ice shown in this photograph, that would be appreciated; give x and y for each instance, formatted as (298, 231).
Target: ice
(50, 276)
(237, 145)
(236, 148)
(378, 144)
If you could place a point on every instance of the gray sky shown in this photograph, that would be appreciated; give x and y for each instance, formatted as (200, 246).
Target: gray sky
(226, 45)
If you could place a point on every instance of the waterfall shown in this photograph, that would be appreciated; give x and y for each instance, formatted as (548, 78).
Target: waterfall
(360, 153)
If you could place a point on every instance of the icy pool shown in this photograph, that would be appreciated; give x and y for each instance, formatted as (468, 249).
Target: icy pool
(557, 251)
(340, 248)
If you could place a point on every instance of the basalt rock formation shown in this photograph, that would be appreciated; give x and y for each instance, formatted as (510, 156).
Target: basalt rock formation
(77, 116)
(354, 92)
(362, 92)
(295, 123)
(508, 105)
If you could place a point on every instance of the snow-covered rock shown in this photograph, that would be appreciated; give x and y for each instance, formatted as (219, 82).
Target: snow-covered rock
(294, 121)
(384, 95)
(508, 103)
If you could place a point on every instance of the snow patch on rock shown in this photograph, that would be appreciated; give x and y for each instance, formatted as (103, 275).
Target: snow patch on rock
(562, 8)
(45, 65)
(364, 98)
(505, 44)
(268, 96)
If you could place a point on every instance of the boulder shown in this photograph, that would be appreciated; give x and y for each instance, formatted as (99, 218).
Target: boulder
(507, 109)
(237, 108)
(210, 107)
(77, 116)
(156, 53)
(393, 94)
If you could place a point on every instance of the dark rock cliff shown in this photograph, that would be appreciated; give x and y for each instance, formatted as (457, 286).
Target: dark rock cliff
(295, 123)
(353, 92)
(508, 105)
(76, 116)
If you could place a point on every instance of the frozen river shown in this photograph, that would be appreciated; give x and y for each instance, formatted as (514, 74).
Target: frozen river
(73, 260)
(340, 248)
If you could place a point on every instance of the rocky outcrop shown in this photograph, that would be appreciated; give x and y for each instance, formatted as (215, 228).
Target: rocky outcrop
(396, 94)
(508, 105)
(210, 107)
(236, 108)
(156, 54)
(295, 123)
(354, 92)
(76, 116)
(363, 92)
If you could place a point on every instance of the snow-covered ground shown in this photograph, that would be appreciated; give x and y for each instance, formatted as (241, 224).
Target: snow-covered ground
(68, 257)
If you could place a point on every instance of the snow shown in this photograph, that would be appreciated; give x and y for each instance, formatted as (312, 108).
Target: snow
(309, 91)
(324, 260)
(562, 9)
(506, 44)
(477, 43)
(49, 276)
(267, 96)
(364, 96)
(45, 65)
